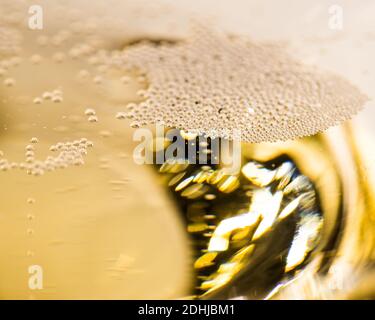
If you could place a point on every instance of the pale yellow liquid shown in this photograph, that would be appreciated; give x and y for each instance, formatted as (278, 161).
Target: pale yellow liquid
(106, 229)
(109, 228)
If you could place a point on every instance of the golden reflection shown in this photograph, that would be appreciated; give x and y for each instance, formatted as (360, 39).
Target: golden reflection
(233, 219)
(285, 215)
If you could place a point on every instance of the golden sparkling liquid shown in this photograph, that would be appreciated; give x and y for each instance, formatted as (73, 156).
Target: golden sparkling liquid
(73, 201)
(101, 227)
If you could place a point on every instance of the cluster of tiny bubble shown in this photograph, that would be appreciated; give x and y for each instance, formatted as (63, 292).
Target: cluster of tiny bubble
(216, 84)
(55, 96)
(91, 115)
(70, 153)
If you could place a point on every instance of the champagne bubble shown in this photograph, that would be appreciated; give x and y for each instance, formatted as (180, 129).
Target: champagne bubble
(90, 112)
(120, 115)
(98, 79)
(30, 253)
(57, 99)
(37, 100)
(47, 95)
(218, 84)
(92, 119)
(9, 82)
